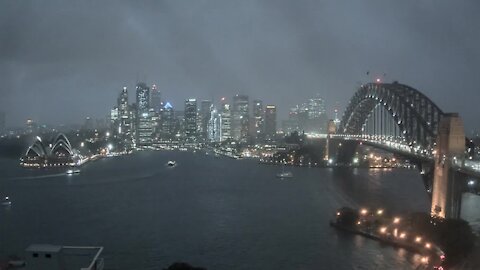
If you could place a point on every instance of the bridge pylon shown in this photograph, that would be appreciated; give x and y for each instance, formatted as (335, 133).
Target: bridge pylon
(450, 148)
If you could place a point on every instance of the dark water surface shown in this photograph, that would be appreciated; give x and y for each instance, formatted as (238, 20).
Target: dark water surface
(218, 213)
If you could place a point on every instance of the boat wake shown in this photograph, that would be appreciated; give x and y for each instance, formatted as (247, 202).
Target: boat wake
(37, 176)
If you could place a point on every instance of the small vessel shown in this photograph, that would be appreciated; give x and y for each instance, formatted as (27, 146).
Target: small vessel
(285, 175)
(6, 201)
(171, 163)
(70, 172)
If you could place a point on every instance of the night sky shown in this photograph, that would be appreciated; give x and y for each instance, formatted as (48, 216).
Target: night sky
(61, 61)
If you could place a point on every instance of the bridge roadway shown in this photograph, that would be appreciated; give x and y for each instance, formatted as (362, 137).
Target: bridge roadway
(468, 167)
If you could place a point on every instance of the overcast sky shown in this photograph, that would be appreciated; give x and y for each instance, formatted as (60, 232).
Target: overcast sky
(61, 61)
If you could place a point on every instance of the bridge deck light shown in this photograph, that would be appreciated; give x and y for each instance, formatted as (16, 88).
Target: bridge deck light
(396, 220)
(428, 245)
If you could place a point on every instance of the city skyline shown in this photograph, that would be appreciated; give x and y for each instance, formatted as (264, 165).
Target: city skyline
(252, 48)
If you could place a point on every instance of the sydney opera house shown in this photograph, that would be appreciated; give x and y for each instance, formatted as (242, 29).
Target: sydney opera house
(59, 153)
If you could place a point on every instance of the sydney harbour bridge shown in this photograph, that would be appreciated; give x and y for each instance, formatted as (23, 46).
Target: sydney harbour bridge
(400, 119)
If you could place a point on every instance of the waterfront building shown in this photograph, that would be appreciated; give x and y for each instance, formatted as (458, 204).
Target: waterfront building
(258, 121)
(190, 119)
(240, 118)
(206, 108)
(270, 122)
(225, 121)
(57, 153)
(144, 128)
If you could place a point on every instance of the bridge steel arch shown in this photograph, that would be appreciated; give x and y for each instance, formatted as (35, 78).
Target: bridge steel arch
(414, 113)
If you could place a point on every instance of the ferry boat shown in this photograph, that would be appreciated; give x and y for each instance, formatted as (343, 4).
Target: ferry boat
(285, 175)
(70, 172)
(6, 201)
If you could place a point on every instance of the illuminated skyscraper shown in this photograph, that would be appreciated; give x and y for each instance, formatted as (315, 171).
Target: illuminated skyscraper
(124, 126)
(214, 126)
(225, 121)
(205, 115)
(240, 118)
(270, 122)
(167, 122)
(114, 120)
(190, 119)
(316, 108)
(258, 125)
(144, 122)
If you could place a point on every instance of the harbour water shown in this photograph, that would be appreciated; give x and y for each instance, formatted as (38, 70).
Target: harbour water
(218, 213)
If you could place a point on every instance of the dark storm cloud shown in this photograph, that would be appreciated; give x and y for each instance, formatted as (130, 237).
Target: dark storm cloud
(77, 55)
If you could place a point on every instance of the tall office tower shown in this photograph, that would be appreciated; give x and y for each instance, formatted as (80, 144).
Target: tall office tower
(114, 119)
(214, 126)
(144, 124)
(190, 119)
(225, 121)
(204, 118)
(316, 107)
(167, 122)
(317, 116)
(156, 99)
(124, 127)
(240, 118)
(258, 125)
(2, 121)
(270, 122)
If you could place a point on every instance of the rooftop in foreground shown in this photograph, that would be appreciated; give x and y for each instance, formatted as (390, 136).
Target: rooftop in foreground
(54, 257)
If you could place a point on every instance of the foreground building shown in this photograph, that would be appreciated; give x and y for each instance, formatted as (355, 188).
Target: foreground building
(53, 257)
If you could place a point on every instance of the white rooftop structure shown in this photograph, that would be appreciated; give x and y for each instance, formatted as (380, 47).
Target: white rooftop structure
(54, 257)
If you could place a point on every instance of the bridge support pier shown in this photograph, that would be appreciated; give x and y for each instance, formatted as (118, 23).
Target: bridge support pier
(446, 195)
(427, 171)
